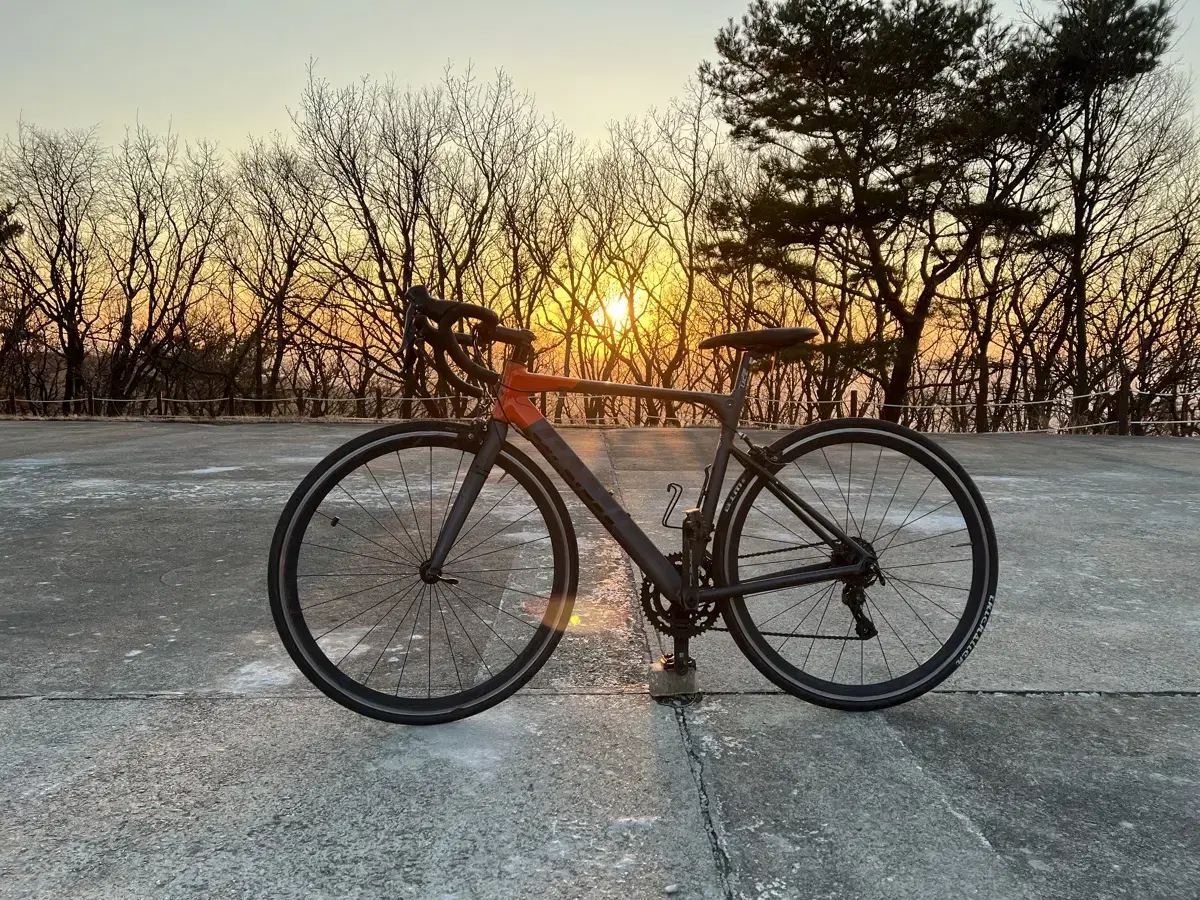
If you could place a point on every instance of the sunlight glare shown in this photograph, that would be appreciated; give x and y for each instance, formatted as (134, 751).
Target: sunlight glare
(613, 312)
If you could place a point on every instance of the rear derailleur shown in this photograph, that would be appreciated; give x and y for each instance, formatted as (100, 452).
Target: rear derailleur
(854, 589)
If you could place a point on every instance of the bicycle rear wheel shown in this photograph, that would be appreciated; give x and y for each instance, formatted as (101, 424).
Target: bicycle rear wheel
(352, 609)
(914, 505)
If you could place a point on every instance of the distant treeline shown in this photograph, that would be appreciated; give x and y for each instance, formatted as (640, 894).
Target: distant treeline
(1001, 220)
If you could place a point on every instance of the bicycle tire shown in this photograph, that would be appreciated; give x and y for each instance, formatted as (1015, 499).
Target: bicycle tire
(753, 639)
(454, 610)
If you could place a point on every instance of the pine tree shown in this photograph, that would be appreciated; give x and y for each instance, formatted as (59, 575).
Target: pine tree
(9, 227)
(898, 132)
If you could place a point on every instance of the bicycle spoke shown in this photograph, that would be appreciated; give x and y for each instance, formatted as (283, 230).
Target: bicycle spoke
(398, 557)
(920, 497)
(471, 609)
(895, 491)
(942, 562)
(846, 496)
(492, 535)
(950, 587)
(371, 516)
(411, 635)
(362, 591)
(388, 642)
(842, 650)
(506, 569)
(914, 521)
(462, 537)
(495, 607)
(504, 587)
(832, 515)
(883, 615)
(502, 549)
(369, 631)
(412, 506)
(467, 634)
(922, 596)
(453, 486)
(794, 605)
(347, 574)
(432, 536)
(394, 562)
(917, 614)
(356, 615)
(879, 643)
(429, 629)
(777, 522)
(812, 643)
(871, 492)
(928, 537)
(388, 501)
(449, 643)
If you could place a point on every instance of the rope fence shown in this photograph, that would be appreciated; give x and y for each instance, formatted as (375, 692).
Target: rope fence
(1126, 414)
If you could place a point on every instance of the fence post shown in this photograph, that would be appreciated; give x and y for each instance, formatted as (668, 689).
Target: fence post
(12, 403)
(1123, 410)
(378, 403)
(159, 410)
(854, 404)
(91, 402)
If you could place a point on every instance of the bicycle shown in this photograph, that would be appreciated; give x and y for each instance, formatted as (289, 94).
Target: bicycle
(425, 571)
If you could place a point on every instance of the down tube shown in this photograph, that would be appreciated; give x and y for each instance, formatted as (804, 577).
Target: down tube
(604, 506)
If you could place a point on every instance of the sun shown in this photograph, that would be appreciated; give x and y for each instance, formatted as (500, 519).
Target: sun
(613, 312)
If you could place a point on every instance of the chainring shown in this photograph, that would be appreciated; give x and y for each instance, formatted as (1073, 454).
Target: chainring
(673, 619)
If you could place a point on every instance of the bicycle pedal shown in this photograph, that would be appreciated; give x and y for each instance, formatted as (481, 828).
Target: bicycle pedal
(667, 661)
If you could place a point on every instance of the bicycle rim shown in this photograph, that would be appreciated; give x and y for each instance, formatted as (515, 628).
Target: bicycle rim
(361, 623)
(922, 515)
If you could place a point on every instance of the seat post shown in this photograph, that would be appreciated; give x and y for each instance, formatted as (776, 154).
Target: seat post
(741, 385)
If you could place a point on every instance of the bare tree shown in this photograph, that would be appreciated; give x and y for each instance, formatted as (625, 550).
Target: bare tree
(56, 181)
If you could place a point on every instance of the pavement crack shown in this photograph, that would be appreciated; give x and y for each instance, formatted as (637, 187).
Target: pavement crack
(715, 840)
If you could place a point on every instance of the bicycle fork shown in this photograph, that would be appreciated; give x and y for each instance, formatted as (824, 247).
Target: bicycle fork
(468, 493)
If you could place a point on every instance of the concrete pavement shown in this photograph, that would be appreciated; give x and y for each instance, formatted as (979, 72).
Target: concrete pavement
(156, 741)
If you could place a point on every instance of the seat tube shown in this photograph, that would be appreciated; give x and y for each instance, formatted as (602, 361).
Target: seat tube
(472, 484)
(729, 423)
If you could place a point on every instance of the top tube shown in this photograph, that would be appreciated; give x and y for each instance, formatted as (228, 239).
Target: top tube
(516, 379)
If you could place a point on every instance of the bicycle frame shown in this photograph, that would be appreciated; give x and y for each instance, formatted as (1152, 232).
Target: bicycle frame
(513, 407)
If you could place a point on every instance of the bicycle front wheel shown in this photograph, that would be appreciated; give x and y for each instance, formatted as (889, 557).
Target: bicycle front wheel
(906, 498)
(346, 591)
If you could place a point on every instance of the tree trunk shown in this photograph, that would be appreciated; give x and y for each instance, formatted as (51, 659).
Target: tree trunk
(896, 390)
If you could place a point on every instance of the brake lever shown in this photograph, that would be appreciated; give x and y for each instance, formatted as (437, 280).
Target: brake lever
(409, 338)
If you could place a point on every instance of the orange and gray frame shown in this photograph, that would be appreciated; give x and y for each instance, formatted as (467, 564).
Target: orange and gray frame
(515, 408)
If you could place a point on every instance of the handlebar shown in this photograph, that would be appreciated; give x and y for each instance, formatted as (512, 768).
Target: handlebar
(445, 342)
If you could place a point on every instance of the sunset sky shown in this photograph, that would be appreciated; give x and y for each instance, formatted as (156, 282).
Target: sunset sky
(222, 69)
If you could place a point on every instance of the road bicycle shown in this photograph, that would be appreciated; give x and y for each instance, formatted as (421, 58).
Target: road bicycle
(426, 570)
